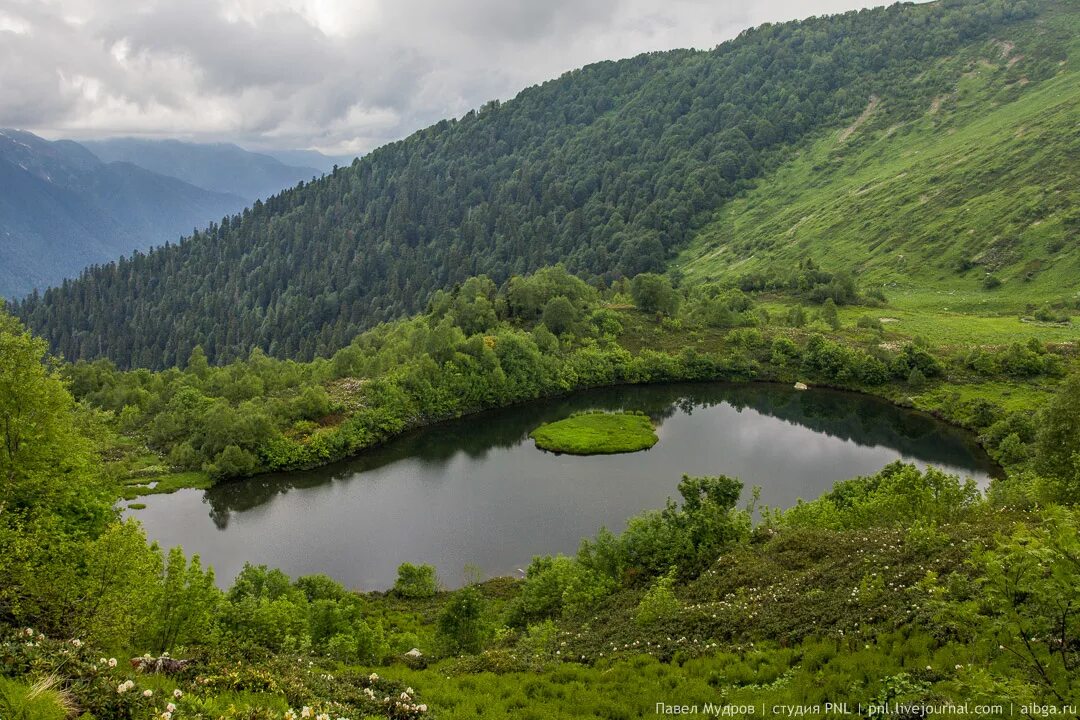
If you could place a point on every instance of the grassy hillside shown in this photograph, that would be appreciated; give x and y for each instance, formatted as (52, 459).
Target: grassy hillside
(985, 181)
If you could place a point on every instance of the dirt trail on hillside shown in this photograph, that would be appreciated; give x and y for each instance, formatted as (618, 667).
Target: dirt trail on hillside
(870, 108)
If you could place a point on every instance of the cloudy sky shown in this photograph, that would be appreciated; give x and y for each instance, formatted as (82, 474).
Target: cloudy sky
(342, 76)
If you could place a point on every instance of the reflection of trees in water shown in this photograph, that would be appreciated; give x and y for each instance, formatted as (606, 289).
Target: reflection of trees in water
(864, 420)
(868, 421)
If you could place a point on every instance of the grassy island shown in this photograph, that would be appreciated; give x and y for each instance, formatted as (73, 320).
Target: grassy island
(597, 433)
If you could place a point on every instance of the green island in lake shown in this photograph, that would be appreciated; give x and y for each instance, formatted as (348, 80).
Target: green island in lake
(597, 433)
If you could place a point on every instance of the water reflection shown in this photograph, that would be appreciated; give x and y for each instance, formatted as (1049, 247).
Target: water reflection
(476, 490)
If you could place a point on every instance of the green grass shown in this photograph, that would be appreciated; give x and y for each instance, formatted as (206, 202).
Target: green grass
(164, 483)
(983, 180)
(41, 700)
(597, 433)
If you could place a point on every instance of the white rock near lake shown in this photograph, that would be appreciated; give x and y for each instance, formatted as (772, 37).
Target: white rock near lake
(801, 386)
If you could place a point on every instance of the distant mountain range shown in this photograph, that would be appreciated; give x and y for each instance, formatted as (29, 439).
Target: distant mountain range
(310, 158)
(219, 167)
(66, 205)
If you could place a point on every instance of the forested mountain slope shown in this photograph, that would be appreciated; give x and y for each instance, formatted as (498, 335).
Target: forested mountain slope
(608, 169)
(61, 209)
(973, 203)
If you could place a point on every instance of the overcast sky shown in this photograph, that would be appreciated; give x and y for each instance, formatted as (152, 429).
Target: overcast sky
(342, 76)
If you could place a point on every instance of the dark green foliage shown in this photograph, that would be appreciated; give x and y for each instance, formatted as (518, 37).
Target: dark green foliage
(461, 626)
(608, 169)
(838, 363)
(829, 314)
(560, 315)
(807, 280)
(869, 322)
(653, 293)
(710, 308)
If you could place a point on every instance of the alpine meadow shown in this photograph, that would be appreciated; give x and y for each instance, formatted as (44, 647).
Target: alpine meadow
(737, 382)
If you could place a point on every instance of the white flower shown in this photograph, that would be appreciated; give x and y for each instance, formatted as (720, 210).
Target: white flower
(103, 661)
(170, 707)
(323, 716)
(177, 693)
(373, 677)
(29, 632)
(112, 662)
(121, 688)
(147, 693)
(166, 715)
(422, 708)
(290, 715)
(928, 668)
(305, 712)
(409, 690)
(77, 642)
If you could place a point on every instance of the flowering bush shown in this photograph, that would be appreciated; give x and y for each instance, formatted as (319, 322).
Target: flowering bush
(279, 688)
(99, 686)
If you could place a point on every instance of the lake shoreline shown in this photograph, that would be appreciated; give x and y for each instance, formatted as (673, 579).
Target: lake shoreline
(478, 491)
(201, 480)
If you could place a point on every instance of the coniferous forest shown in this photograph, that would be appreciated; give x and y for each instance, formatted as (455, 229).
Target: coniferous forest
(607, 169)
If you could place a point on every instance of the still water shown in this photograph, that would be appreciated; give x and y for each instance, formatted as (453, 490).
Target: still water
(477, 492)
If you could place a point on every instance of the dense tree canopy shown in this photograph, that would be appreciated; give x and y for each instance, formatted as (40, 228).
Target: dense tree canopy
(607, 169)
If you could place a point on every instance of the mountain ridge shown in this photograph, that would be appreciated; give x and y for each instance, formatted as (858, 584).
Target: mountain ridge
(609, 169)
(63, 209)
(217, 167)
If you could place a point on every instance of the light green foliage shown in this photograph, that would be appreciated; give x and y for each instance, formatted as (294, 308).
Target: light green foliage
(962, 174)
(41, 700)
(370, 642)
(829, 314)
(896, 496)
(557, 585)
(659, 603)
(596, 433)
(183, 607)
(416, 581)
(45, 462)
(1032, 588)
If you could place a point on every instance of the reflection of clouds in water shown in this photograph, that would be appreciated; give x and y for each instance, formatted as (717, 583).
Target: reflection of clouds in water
(478, 491)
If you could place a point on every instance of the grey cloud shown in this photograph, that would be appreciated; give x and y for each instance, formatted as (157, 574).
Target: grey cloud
(341, 75)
